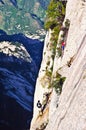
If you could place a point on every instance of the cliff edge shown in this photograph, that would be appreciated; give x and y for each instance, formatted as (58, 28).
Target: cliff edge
(66, 102)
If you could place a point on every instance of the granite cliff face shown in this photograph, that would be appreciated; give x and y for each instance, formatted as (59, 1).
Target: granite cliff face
(66, 110)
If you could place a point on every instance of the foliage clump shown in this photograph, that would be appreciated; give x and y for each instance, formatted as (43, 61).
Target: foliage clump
(48, 73)
(57, 83)
(54, 20)
(55, 14)
(67, 23)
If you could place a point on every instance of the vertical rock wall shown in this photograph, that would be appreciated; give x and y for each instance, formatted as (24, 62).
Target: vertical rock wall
(70, 114)
(43, 82)
(68, 111)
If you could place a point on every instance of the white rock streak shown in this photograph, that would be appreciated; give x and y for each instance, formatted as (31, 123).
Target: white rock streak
(16, 50)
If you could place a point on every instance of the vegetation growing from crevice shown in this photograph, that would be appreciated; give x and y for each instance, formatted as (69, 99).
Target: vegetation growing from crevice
(54, 20)
(48, 73)
(57, 83)
(67, 23)
(55, 14)
(46, 79)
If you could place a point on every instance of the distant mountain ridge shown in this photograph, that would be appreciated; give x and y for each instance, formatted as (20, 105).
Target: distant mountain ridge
(20, 59)
(33, 46)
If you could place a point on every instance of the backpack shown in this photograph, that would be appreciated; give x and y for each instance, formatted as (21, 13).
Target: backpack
(39, 105)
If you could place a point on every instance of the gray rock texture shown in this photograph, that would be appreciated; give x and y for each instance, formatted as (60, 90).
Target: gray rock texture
(71, 111)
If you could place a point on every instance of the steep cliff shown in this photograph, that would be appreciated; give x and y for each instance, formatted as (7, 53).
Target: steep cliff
(66, 104)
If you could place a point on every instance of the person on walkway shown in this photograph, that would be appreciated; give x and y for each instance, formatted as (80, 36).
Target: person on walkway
(63, 46)
(45, 101)
(39, 105)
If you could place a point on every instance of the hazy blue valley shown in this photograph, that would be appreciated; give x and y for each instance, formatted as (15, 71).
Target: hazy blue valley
(21, 45)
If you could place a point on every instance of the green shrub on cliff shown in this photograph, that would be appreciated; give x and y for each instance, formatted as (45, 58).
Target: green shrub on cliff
(55, 14)
(57, 82)
(54, 20)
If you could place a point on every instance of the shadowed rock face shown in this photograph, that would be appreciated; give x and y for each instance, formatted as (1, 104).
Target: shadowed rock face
(17, 80)
(19, 66)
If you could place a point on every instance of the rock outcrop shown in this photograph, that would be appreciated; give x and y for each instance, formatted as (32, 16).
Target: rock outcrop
(67, 111)
(18, 73)
(43, 81)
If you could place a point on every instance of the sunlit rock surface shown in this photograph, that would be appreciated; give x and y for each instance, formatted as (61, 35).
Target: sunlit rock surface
(68, 111)
(42, 81)
(71, 110)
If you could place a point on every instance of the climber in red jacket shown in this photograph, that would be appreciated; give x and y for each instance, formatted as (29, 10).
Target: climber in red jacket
(63, 46)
